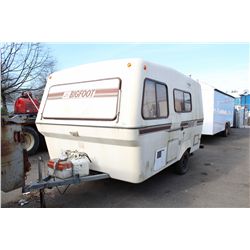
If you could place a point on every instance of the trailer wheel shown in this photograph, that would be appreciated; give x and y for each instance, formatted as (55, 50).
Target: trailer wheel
(181, 167)
(31, 140)
(226, 132)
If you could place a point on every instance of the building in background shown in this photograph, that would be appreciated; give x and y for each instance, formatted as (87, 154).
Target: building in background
(245, 101)
(242, 108)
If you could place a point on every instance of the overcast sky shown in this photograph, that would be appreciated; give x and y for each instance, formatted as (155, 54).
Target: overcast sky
(225, 66)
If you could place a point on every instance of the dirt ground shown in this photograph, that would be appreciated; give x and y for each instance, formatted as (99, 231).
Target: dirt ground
(218, 177)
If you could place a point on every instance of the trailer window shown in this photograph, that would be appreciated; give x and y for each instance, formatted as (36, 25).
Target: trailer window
(178, 100)
(154, 100)
(182, 101)
(149, 101)
(161, 94)
(92, 100)
(187, 102)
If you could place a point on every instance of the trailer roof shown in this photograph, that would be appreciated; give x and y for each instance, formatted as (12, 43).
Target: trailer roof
(112, 61)
(224, 93)
(111, 64)
(220, 91)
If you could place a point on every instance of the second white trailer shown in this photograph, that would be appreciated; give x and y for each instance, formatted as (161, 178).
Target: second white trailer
(218, 108)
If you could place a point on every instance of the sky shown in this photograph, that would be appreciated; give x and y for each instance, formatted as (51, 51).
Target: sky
(224, 66)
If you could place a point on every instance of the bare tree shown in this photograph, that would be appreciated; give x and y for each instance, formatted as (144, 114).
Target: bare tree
(24, 67)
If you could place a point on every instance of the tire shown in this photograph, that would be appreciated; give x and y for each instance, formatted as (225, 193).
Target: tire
(31, 140)
(226, 132)
(181, 167)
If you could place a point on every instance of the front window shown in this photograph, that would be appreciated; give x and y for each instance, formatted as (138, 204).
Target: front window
(93, 100)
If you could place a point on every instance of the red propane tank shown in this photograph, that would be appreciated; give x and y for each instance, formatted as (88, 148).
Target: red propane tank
(23, 105)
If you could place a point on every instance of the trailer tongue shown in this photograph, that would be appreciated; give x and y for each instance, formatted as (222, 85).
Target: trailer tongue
(70, 168)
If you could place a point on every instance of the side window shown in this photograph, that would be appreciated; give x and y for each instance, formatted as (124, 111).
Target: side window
(155, 101)
(162, 106)
(178, 100)
(182, 101)
(187, 102)
(149, 101)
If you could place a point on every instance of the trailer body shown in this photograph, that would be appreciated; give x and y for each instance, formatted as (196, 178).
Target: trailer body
(133, 118)
(218, 108)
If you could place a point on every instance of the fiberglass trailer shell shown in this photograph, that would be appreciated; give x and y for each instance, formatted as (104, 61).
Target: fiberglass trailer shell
(218, 108)
(121, 113)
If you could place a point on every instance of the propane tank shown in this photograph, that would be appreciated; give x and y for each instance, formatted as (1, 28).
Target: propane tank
(24, 104)
(69, 164)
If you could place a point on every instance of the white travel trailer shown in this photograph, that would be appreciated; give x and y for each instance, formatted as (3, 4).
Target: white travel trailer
(130, 117)
(218, 108)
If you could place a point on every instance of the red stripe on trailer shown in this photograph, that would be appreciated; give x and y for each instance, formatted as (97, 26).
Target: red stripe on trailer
(105, 95)
(56, 94)
(106, 91)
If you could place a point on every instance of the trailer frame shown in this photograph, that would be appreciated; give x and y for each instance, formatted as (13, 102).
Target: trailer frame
(51, 181)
